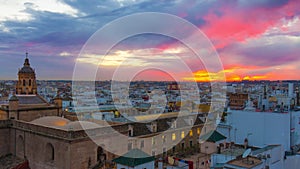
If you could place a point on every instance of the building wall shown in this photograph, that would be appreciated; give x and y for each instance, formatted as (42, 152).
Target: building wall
(237, 100)
(81, 152)
(72, 149)
(34, 114)
(149, 165)
(67, 154)
(208, 147)
(3, 115)
(292, 162)
(295, 127)
(120, 166)
(4, 141)
(261, 128)
(34, 149)
(155, 145)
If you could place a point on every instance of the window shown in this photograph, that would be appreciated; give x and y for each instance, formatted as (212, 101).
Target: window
(130, 133)
(142, 144)
(130, 130)
(173, 136)
(191, 133)
(29, 82)
(191, 143)
(163, 138)
(24, 83)
(49, 152)
(182, 134)
(198, 131)
(182, 146)
(153, 153)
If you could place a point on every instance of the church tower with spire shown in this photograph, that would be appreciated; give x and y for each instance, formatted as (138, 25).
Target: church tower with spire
(26, 84)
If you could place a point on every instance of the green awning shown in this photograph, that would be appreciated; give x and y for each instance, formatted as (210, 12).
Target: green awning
(212, 136)
(134, 158)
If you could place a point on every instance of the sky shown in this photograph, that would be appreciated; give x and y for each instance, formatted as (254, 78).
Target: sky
(255, 40)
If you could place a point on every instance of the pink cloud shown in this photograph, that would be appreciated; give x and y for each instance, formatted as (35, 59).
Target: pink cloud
(231, 25)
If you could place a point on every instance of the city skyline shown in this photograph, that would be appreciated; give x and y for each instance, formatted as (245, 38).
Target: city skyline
(256, 40)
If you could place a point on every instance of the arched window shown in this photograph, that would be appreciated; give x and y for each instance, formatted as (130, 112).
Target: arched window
(20, 147)
(24, 82)
(29, 82)
(49, 152)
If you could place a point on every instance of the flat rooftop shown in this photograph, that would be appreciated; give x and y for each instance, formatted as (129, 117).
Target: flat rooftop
(248, 162)
(236, 150)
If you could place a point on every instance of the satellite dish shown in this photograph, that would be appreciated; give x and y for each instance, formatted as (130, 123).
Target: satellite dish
(246, 153)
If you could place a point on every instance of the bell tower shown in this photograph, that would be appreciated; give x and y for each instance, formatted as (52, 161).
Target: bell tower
(26, 84)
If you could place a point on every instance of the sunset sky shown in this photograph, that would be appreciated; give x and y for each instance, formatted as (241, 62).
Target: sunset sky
(255, 39)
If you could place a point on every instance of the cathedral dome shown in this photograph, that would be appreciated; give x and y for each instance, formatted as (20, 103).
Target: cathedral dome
(26, 84)
(81, 125)
(51, 121)
(26, 68)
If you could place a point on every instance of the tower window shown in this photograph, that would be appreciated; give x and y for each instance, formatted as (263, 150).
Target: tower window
(29, 82)
(23, 82)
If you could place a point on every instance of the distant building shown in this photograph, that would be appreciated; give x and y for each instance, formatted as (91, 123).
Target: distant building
(237, 101)
(173, 86)
(26, 104)
(264, 130)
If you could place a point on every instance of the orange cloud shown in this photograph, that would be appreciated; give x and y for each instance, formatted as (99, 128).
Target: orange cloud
(204, 76)
(231, 74)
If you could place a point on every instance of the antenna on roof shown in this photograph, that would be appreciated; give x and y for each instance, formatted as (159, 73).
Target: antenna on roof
(246, 153)
(26, 54)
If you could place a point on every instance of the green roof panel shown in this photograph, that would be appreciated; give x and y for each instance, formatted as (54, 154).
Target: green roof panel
(212, 136)
(134, 158)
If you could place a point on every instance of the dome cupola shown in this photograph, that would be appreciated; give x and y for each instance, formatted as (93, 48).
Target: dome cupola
(26, 79)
